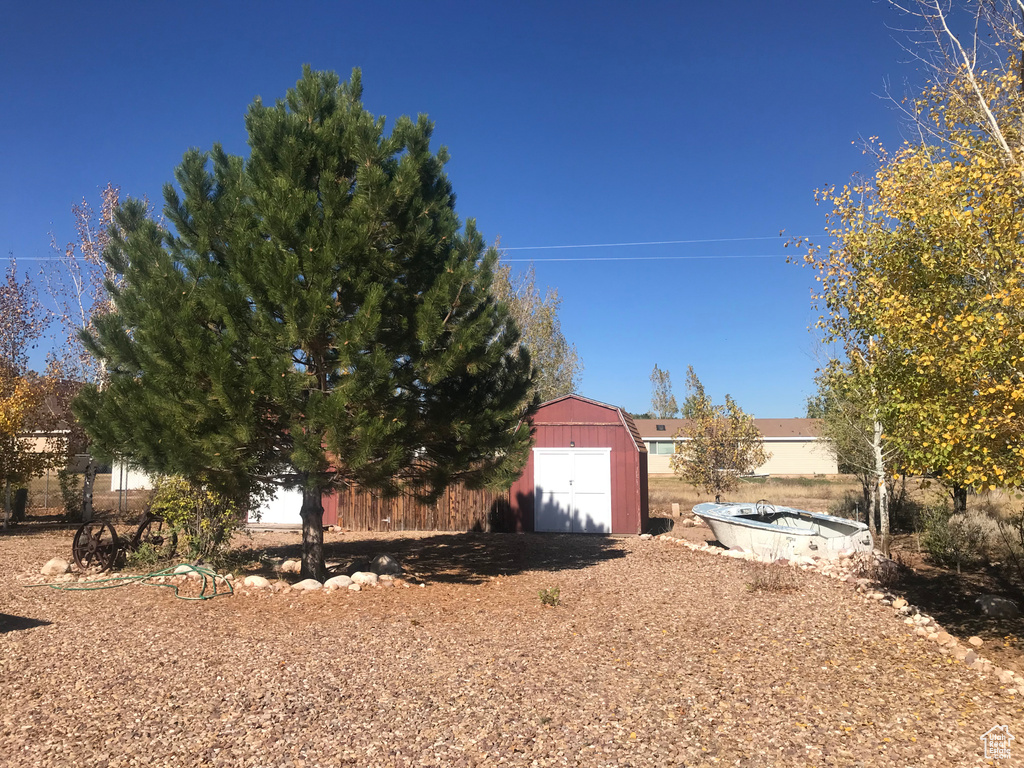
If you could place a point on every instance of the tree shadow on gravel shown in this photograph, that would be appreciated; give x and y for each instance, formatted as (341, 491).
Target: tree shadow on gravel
(951, 599)
(9, 623)
(472, 558)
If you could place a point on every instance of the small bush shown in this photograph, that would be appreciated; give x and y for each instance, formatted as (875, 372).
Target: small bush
(1011, 540)
(904, 511)
(850, 507)
(146, 556)
(203, 518)
(550, 596)
(886, 573)
(954, 541)
(766, 577)
(70, 493)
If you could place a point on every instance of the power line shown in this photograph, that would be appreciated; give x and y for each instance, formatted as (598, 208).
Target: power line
(27, 258)
(649, 258)
(652, 242)
(581, 245)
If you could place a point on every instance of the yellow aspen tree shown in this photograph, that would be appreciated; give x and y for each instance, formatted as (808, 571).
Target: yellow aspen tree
(923, 283)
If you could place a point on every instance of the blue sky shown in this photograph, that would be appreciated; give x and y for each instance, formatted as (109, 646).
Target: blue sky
(568, 124)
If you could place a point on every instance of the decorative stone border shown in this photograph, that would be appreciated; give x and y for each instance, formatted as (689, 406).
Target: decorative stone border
(58, 571)
(845, 569)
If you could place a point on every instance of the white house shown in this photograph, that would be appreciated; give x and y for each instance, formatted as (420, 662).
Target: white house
(794, 445)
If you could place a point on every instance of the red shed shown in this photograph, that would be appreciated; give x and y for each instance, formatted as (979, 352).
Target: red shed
(587, 471)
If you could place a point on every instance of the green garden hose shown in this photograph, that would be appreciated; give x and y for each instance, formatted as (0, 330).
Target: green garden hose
(208, 576)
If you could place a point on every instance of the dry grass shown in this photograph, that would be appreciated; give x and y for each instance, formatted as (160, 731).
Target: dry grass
(771, 577)
(816, 494)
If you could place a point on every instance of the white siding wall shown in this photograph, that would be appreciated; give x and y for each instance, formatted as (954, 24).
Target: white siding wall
(788, 457)
(792, 457)
(658, 464)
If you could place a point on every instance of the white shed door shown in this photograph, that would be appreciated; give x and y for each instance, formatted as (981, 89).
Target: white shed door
(572, 490)
(281, 509)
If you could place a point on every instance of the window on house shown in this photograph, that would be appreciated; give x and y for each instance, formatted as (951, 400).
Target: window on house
(660, 447)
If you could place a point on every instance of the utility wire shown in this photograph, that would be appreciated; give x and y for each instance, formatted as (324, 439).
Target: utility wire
(581, 245)
(649, 258)
(652, 242)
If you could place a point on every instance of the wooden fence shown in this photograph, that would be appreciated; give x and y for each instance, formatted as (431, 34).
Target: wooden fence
(458, 509)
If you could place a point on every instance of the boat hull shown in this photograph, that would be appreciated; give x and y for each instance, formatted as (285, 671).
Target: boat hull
(783, 532)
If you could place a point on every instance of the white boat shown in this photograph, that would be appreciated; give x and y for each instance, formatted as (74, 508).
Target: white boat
(783, 532)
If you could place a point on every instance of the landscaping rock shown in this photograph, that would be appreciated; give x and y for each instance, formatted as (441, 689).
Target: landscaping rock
(353, 566)
(364, 578)
(337, 582)
(291, 566)
(308, 585)
(385, 565)
(898, 603)
(976, 641)
(998, 607)
(183, 569)
(256, 581)
(55, 567)
(355, 587)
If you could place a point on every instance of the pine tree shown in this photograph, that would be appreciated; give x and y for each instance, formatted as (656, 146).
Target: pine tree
(317, 314)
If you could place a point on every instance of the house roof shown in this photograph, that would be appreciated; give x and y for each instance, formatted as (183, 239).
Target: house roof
(807, 429)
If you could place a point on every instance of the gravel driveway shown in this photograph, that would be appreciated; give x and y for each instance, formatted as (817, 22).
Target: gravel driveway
(658, 656)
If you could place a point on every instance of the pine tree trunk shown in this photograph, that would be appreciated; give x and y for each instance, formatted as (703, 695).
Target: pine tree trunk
(959, 494)
(881, 488)
(312, 532)
(88, 481)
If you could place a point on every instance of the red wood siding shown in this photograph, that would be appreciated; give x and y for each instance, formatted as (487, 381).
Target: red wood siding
(589, 425)
(570, 419)
(458, 509)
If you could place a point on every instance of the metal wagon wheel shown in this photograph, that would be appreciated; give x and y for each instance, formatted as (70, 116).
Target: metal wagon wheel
(95, 546)
(154, 532)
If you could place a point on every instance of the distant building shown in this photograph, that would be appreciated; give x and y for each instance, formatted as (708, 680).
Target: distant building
(794, 445)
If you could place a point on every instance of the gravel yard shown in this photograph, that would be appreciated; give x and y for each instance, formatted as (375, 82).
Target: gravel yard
(657, 656)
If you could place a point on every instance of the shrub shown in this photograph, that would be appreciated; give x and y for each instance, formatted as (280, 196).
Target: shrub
(550, 597)
(1011, 540)
(850, 507)
(903, 510)
(888, 573)
(70, 493)
(954, 540)
(766, 577)
(203, 518)
(146, 556)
